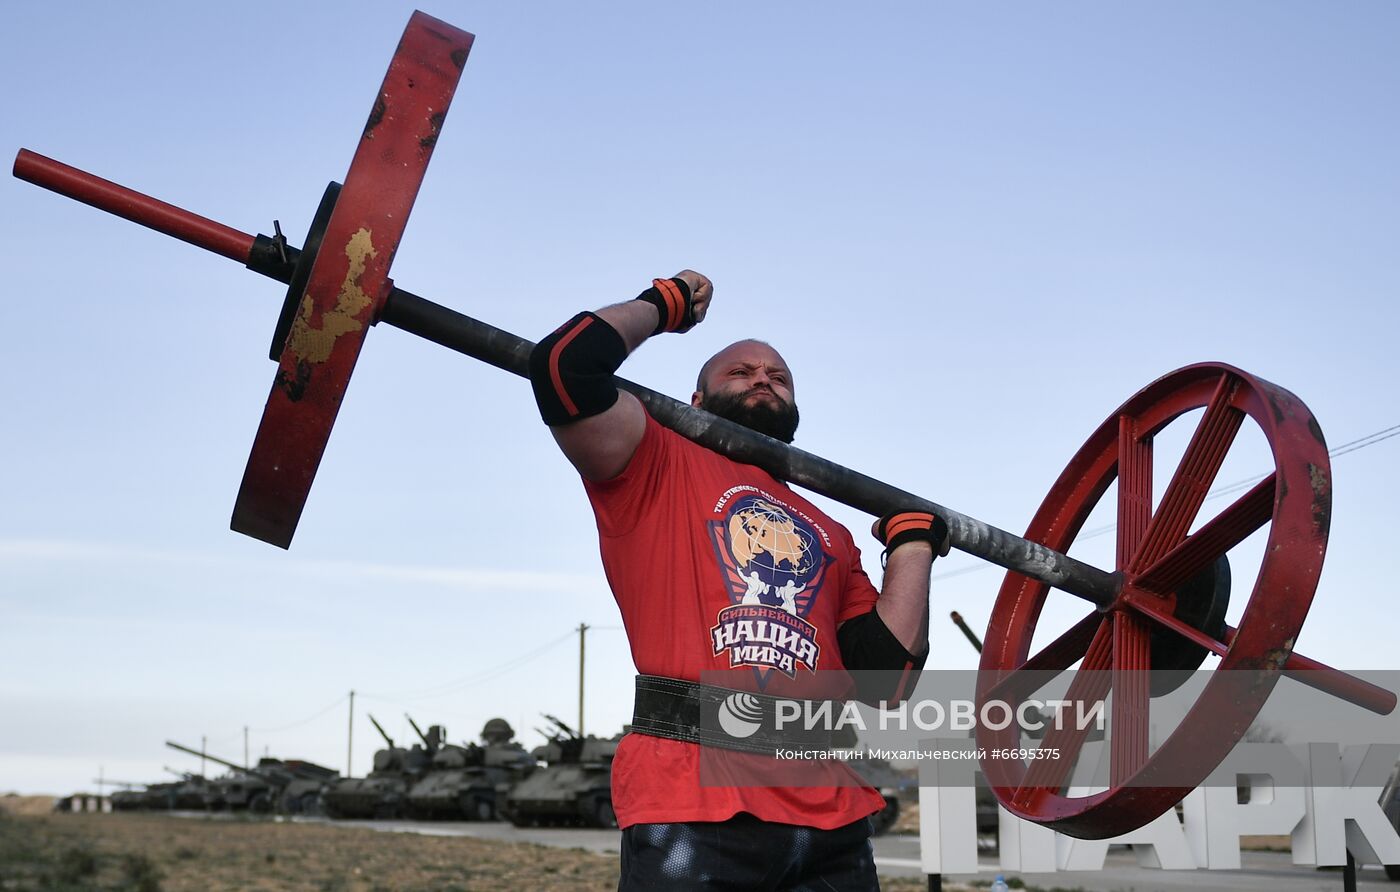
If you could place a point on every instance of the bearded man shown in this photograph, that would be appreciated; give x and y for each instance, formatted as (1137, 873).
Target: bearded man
(717, 565)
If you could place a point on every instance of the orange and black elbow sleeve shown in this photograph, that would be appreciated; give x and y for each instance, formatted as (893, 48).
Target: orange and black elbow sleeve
(571, 371)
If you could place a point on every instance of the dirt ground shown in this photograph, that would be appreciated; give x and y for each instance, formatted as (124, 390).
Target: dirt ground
(160, 853)
(146, 852)
(13, 804)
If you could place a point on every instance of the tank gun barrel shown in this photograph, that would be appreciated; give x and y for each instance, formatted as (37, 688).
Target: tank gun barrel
(224, 762)
(971, 635)
(382, 733)
(419, 731)
(560, 724)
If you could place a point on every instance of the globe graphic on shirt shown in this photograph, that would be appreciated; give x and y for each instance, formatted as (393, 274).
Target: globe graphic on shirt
(767, 541)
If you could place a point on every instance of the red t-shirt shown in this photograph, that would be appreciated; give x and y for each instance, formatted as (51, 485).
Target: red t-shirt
(717, 565)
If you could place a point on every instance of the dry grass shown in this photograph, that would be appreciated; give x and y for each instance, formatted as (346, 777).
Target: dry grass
(146, 853)
(160, 853)
(12, 804)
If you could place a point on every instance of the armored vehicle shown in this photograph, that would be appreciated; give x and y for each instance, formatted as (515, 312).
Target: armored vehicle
(574, 787)
(892, 783)
(286, 786)
(129, 798)
(383, 793)
(301, 794)
(237, 790)
(472, 781)
(185, 795)
(234, 791)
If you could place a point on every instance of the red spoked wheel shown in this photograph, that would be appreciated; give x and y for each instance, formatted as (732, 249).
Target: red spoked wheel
(1157, 553)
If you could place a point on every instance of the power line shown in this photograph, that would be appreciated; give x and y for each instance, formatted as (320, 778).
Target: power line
(306, 721)
(227, 738)
(1365, 441)
(216, 742)
(1219, 492)
(1354, 445)
(427, 693)
(449, 687)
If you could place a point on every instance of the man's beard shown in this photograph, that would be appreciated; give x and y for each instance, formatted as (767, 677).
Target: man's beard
(775, 418)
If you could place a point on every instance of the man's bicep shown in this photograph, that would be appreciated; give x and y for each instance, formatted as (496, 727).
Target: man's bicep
(571, 373)
(601, 446)
(858, 594)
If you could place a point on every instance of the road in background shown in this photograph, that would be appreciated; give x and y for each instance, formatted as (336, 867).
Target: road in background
(898, 856)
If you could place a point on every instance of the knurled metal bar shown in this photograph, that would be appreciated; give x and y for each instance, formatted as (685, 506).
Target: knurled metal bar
(500, 348)
(506, 351)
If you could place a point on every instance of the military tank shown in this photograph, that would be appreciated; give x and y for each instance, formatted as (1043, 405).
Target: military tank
(383, 793)
(290, 786)
(574, 788)
(893, 784)
(129, 798)
(471, 781)
(186, 794)
(234, 791)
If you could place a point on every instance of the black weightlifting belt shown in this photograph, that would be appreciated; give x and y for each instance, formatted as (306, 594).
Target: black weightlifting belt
(720, 717)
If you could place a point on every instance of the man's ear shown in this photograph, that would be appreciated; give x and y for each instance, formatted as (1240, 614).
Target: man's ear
(696, 398)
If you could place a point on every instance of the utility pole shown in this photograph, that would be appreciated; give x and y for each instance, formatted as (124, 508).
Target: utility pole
(350, 736)
(582, 628)
(203, 745)
(245, 747)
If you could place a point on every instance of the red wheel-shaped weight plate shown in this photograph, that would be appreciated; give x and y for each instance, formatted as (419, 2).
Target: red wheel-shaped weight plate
(349, 280)
(1157, 552)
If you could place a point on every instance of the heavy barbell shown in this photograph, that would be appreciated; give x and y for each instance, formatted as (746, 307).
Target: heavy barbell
(1161, 607)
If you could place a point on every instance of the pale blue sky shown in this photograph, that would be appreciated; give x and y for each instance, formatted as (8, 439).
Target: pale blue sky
(972, 229)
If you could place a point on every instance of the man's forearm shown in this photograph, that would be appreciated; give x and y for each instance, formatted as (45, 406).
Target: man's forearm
(903, 604)
(634, 320)
(597, 426)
